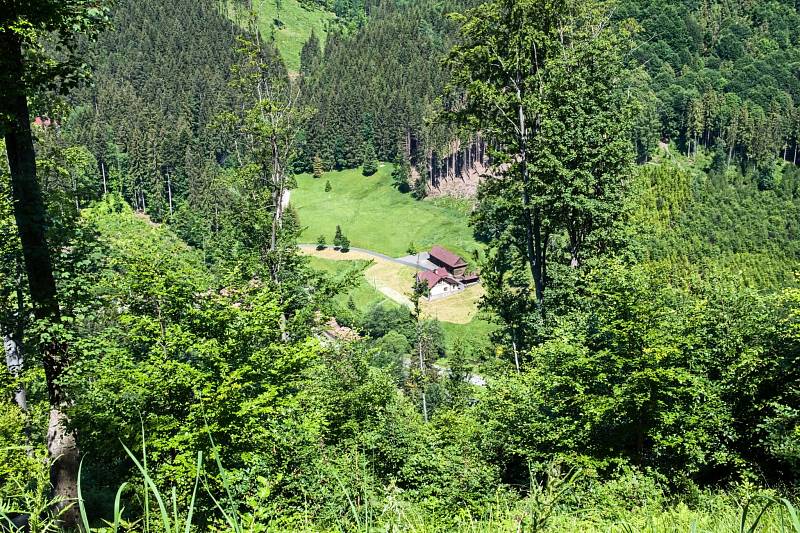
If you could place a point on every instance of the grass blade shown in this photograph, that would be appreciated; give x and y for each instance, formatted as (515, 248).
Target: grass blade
(81, 507)
(194, 493)
(149, 482)
(234, 521)
(792, 510)
(117, 509)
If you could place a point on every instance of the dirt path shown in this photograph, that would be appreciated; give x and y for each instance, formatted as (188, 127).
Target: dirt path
(355, 253)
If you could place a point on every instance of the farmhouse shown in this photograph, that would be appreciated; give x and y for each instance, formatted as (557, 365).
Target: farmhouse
(448, 275)
(440, 282)
(446, 259)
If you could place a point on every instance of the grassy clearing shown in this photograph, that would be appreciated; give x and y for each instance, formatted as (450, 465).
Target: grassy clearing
(374, 215)
(289, 23)
(472, 329)
(363, 294)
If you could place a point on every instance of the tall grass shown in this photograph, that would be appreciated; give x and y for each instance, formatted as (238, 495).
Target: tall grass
(371, 508)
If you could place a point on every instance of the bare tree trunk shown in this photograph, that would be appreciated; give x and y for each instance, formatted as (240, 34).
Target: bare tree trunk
(103, 171)
(422, 372)
(14, 363)
(169, 192)
(532, 227)
(30, 216)
(516, 354)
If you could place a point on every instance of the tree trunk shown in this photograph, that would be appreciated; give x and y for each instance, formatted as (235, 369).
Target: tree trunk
(30, 216)
(532, 227)
(103, 171)
(14, 362)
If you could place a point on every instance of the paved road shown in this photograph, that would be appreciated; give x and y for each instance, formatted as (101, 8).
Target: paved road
(420, 261)
(400, 261)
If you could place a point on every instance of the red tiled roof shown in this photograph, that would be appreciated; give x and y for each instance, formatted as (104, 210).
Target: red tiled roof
(447, 257)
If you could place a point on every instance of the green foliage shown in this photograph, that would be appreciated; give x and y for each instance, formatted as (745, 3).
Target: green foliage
(719, 76)
(696, 223)
(291, 25)
(653, 379)
(370, 209)
(27, 503)
(377, 85)
(643, 374)
(420, 190)
(337, 237)
(369, 163)
(561, 116)
(401, 176)
(146, 116)
(321, 242)
(318, 169)
(344, 244)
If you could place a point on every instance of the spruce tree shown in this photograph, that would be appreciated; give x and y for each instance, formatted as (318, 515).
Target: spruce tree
(401, 175)
(318, 167)
(328, 186)
(337, 238)
(420, 189)
(310, 55)
(370, 162)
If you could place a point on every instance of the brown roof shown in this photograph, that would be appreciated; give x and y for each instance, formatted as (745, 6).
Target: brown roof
(434, 277)
(431, 278)
(447, 257)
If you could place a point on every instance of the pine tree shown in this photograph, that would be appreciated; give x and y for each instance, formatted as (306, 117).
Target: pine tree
(328, 186)
(401, 175)
(310, 55)
(420, 189)
(318, 167)
(345, 244)
(370, 162)
(321, 242)
(337, 238)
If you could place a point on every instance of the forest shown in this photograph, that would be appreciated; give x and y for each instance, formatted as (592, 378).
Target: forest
(176, 360)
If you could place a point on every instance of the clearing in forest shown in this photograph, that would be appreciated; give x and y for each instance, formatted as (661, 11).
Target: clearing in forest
(289, 22)
(375, 215)
(385, 282)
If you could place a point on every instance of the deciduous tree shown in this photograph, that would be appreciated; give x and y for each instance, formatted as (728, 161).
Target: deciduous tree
(25, 68)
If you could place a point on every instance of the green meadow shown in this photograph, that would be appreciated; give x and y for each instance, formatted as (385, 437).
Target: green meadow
(375, 215)
(289, 23)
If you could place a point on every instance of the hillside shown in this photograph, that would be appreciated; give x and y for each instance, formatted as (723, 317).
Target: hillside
(287, 23)
(212, 319)
(375, 215)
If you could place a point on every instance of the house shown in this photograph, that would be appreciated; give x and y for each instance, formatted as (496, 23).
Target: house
(446, 259)
(440, 282)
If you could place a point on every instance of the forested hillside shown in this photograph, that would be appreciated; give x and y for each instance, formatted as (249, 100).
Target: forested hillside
(376, 88)
(161, 78)
(192, 344)
(722, 76)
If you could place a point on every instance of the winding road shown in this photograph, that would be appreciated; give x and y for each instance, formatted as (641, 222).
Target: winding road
(405, 261)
